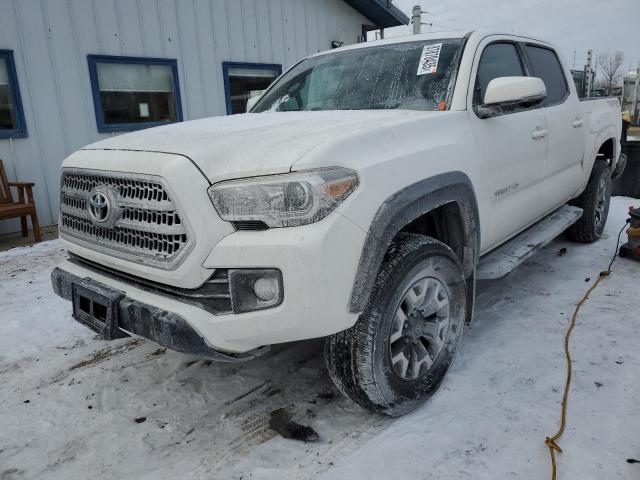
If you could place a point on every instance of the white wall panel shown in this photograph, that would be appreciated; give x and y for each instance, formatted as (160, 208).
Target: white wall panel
(250, 29)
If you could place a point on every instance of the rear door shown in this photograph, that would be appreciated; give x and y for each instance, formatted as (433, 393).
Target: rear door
(565, 125)
(512, 147)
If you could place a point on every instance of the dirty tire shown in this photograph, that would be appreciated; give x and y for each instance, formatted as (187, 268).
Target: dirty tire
(595, 203)
(359, 359)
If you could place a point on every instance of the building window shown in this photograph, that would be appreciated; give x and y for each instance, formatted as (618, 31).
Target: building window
(134, 93)
(245, 80)
(12, 124)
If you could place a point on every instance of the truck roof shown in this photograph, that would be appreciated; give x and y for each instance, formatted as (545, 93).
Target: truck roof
(480, 33)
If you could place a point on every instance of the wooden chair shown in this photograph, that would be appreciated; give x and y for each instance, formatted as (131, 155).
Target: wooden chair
(23, 208)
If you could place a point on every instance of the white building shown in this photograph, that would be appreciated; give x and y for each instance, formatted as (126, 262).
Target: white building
(76, 71)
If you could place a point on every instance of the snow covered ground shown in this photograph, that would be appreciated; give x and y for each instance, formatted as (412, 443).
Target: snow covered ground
(69, 401)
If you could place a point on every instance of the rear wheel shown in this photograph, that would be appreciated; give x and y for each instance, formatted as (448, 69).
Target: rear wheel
(399, 350)
(595, 203)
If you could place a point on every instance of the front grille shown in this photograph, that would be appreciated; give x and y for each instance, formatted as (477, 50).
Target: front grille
(143, 225)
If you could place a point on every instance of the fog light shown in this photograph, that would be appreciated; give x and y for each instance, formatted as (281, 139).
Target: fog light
(255, 289)
(266, 289)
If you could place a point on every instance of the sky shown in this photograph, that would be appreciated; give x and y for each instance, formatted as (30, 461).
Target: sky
(572, 25)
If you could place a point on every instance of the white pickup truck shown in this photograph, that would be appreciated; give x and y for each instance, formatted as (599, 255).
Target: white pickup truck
(360, 200)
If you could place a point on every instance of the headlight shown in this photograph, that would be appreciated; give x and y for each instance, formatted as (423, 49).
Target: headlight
(285, 200)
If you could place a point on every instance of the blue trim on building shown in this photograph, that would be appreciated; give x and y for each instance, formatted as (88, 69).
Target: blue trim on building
(97, 102)
(382, 12)
(225, 75)
(21, 125)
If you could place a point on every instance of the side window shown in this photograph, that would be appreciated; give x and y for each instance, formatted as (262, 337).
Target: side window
(497, 60)
(545, 65)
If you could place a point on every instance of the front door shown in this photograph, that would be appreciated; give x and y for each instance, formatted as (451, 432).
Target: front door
(512, 150)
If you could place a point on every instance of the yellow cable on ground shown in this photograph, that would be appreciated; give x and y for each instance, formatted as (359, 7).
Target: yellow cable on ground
(551, 441)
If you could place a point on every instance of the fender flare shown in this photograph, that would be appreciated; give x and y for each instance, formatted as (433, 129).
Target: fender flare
(607, 133)
(402, 208)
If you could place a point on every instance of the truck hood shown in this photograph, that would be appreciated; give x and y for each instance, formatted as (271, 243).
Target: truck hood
(254, 143)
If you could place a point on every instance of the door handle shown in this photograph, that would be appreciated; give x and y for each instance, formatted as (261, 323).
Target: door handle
(539, 133)
(577, 123)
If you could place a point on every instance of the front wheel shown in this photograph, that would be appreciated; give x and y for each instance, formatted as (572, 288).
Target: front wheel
(595, 204)
(399, 350)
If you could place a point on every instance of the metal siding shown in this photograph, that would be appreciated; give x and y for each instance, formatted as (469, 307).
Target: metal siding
(20, 156)
(263, 31)
(67, 77)
(313, 41)
(300, 29)
(131, 31)
(250, 30)
(189, 46)
(277, 38)
(207, 56)
(288, 27)
(47, 120)
(149, 25)
(51, 43)
(221, 41)
(106, 24)
(235, 30)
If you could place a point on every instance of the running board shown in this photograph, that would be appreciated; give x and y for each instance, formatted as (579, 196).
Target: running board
(508, 256)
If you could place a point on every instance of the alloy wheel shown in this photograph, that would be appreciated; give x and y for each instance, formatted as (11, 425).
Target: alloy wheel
(419, 328)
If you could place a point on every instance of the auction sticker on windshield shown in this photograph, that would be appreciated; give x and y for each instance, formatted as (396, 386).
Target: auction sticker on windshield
(429, 59)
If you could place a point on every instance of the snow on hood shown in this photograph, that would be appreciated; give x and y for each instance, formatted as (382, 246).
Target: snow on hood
(252, 144)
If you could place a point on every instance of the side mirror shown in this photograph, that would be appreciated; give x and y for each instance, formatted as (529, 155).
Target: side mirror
(507, 93)
(251, 102)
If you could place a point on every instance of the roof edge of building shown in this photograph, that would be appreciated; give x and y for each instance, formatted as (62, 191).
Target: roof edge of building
(382, 12)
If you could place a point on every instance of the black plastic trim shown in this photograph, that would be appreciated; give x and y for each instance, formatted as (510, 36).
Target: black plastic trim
(250, 225)
(216, 304)
(161, 326)
(402, 208)
(241, 286)
(97, 308)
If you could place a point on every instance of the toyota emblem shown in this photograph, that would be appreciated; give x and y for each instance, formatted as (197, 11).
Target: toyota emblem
(103, 206)
(99, 207)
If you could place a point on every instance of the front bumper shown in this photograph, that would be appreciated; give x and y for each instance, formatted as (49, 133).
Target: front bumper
(318, 264)
(168, 329)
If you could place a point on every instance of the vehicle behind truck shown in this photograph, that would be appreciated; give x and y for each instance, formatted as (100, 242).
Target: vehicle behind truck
(360, 200)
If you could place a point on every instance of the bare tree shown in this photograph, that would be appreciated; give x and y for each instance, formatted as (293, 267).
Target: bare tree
(610, 65)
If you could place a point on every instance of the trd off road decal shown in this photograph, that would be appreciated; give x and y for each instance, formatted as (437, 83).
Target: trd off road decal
(429, 59)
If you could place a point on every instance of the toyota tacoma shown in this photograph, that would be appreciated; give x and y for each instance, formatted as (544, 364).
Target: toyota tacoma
(360, 199)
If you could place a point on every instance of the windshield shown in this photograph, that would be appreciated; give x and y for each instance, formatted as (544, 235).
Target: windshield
(413, 76)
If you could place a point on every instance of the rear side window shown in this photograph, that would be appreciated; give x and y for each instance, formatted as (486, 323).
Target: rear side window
(545, 65)
(497, 60)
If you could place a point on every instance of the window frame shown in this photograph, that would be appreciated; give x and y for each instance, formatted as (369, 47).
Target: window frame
(103, 127)
(519, 43)
(523, 63)
(20, 130)
(523, 46)
(226, 66)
